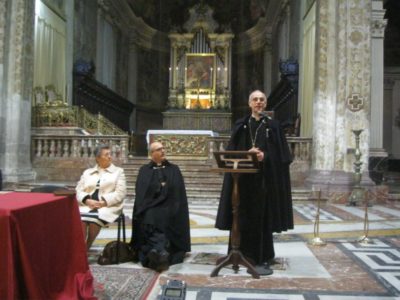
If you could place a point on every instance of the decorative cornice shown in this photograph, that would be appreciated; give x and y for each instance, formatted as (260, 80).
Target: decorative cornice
(391, 76)
(253, 39)
(260, 35)
(140, 33)
(181, 40)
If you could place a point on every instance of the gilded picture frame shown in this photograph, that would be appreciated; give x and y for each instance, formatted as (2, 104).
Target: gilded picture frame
(200, 71)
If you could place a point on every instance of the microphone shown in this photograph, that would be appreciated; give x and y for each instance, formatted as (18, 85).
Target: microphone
(264, 114)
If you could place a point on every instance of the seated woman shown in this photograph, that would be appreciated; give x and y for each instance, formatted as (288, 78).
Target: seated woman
(100, 193)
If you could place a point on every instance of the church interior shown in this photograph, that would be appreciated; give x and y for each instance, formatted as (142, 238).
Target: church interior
(75, 74)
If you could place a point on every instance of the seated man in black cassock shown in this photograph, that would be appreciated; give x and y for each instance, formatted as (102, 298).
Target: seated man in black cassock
(160, 226)
(265, 197)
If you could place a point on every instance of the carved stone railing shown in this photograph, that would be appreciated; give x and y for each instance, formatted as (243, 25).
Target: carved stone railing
(62, 115)
(300, 147)
(63, 158)
(77, 146)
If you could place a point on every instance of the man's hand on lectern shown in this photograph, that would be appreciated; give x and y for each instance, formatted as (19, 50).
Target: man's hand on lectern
(260, 154)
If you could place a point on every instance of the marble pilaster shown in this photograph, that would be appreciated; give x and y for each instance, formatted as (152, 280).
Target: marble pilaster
(16, 78)
(343, 88)
(378, 25)
(325, 103)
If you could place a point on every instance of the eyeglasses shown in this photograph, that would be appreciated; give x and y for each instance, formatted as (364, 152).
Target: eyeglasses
(255, 99)
(158, 149)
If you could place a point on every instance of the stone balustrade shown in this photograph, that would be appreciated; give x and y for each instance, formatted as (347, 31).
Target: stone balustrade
(299, 146)
(58, 157)
(77, 146)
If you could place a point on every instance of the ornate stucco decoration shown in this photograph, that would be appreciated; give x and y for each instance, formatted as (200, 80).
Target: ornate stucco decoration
(178, 145)
(201, 17)
(355, 102)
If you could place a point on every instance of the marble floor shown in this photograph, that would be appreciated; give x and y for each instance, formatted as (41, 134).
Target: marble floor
(343, 269)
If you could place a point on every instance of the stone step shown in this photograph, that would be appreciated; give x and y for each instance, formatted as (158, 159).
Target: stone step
(184, 171)
(189, 192)
(185, 165)
(196, 196)
(129, 176)
(202, 182)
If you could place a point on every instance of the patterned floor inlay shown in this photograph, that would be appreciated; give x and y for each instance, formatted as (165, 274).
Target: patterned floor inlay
(342, 270)
(309, 211)
(381, 258)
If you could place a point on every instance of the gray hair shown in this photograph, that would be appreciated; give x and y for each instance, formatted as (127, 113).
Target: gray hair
(99, 148)
(254, 92)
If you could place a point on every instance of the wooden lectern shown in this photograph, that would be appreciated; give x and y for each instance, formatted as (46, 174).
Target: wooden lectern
(235, 163)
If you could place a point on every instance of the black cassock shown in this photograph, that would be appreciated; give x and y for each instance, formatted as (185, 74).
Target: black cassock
(265, 197)
(160, 218)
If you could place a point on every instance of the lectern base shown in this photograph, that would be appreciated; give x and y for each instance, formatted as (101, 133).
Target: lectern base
(235, 258)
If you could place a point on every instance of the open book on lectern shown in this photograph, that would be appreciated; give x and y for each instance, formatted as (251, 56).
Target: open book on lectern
(236, 160)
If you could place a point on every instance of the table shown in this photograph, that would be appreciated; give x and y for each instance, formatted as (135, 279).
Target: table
(42, 249)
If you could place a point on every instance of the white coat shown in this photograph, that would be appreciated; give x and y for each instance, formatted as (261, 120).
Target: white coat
(112, 189)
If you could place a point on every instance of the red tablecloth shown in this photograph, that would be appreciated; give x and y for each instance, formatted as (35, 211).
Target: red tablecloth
(42, 249)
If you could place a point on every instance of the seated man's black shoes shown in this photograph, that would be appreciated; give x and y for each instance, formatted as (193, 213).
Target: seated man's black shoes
(157, 260)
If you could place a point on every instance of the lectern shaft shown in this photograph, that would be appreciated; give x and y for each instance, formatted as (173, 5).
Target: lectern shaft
(235, 237)
(235, 257)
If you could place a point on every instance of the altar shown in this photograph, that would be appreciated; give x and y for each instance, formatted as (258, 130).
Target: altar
(183, 144)
(200, 75)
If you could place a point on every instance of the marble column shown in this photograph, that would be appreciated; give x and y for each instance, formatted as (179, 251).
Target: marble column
(396, 119)
(69, 60)
(16, 73)
(267, 67)
(132, 79)
(378, 25)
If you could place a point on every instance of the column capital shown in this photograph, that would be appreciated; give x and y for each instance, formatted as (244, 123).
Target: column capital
(378, 23)
(378, 28)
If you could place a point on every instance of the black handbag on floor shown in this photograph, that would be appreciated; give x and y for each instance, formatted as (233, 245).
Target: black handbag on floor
(116, 252)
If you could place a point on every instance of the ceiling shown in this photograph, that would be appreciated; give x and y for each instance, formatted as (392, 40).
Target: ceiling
(170, 15)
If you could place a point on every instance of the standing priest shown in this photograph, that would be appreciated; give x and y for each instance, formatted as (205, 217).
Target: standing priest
(265, 197)
(160, 221)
